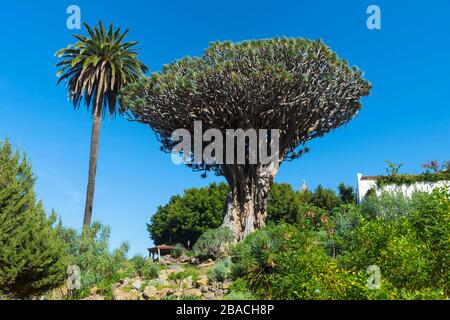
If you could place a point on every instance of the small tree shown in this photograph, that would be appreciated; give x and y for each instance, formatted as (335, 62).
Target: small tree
(297, 86)
(31, 254)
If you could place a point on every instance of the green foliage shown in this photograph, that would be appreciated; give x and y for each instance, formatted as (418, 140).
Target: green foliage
(90, 252)
(220, 271)
(408, 179)
(256, 255)
(410, 245)
(187, 217)
(31, 254)
(325, 199)
(393, 168)
(284, 203)
(213, 243)
(178, 250)
(387, 206)
(407, 238)
(347, 194)
(98, 67)
(188, 272)
(145, 268)
(253, 78)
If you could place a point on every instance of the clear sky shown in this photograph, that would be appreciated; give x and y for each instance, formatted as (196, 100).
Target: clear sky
(406, 119)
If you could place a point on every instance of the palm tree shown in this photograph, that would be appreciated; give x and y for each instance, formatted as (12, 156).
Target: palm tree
(95, 71)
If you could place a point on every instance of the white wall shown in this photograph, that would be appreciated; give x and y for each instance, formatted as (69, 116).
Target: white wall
(365, 185)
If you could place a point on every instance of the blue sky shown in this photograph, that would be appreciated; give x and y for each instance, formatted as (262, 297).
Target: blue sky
(406, 119)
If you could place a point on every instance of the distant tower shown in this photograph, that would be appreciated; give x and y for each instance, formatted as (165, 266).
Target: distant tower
(304, 186)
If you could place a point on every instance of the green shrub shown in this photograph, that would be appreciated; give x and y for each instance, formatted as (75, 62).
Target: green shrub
(220, 271)
(178, 251)
(213, 243)
(190, 272)
(145, 268)
(255, 256)
(91, 254)
(31, 253)
(239, 295)
(389, 205)
(409, 242)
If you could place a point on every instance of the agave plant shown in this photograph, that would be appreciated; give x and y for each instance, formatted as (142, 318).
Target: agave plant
(95, 70)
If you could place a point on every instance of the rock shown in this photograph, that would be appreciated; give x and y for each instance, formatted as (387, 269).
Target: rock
(215, 286)
(94, 297)
(94, 291)
(193, 293)
(209, 296)
(137, 284)
(157, 282)
(193, 260)
(219, 293)
(177, 293)
(187, 283)
(204, 289)
(150, 292)
(202, 281)
(175, 267)
(206, 264)
(125, 281)
(184, 258)
(226, 285)
(119, 294)
(165, 292)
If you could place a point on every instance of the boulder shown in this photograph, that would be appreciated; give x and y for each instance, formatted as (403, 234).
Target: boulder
(164, 292)
(209, 296)
(187, 283)
(204, 289)
(150, 292)
(193, 293)
(202, 281)
(94, 297)
(208, 263)
(137, 284)
(119, 294)
(175, 267)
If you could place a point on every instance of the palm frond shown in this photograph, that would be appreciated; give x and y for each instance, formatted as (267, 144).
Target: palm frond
(98, 67)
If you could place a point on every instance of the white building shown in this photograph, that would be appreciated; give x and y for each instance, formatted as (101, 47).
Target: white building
(366, 183)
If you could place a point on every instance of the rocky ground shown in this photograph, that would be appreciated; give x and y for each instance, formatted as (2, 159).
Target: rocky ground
(189, 281)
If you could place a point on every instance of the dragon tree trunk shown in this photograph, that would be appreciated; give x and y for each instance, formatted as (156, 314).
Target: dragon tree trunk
(246, 204)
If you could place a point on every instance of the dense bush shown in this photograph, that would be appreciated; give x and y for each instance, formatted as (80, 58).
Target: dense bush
(220, 271)
(408, 240)
(213, 243)
(98, 265)
(144, 268)
(31, 254)
(284, 203)
(187, 217)
(178, 250)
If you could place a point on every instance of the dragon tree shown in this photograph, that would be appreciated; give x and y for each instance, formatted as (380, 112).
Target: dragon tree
(298, 86)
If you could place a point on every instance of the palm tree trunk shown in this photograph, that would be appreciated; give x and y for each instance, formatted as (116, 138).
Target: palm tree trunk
(95, 139)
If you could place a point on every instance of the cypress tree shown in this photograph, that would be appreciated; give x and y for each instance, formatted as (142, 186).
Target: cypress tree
(31, 253)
